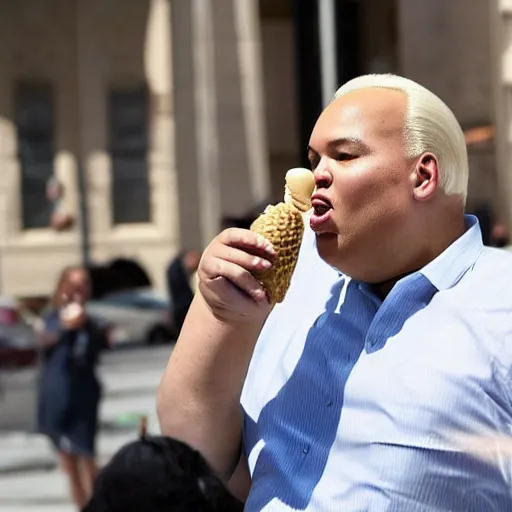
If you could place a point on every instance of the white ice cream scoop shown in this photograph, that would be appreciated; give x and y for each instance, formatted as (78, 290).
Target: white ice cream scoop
(71, 311)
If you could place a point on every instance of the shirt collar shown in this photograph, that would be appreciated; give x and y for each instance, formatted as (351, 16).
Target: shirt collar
(450, 266)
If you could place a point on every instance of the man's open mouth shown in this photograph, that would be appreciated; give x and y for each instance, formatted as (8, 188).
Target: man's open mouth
(321, 206)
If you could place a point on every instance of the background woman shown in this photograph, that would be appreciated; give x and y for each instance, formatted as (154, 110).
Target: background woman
(70, 391)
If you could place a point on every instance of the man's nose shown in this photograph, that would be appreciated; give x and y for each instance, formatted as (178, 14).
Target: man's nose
(323, 177)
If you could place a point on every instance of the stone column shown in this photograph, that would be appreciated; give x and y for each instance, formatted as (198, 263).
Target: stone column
(188, 55)
(92, 126)
(209, 181)
(243, 154)
(10, 197)
(9, 218)
(158, 71)
(10, 221)
(220, 129)
(250, 55)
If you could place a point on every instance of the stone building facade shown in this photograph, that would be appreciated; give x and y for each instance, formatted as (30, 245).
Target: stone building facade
(179, 113)
(91, 83)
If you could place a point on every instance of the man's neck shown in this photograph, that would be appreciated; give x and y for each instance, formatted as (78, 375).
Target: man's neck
(436, 246)
(383, 288)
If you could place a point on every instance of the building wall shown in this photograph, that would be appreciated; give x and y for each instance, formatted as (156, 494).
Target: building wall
(279, 77)
(501, 37)
(221, 148)
(379, 36)
(47, 51)
(214, 164)
(128, 43)
(116, 43)
(446, 46)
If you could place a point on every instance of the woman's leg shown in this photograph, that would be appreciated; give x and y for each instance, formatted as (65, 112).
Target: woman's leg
(89, 470)
(69, 464)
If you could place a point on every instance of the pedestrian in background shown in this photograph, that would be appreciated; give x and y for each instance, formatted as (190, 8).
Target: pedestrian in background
(181, 283)
(70, 392)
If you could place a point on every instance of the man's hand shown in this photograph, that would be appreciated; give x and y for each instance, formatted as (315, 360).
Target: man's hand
(199, 396)
(225, 280)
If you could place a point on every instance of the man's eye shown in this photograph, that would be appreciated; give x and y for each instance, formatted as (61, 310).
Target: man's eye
(314, 162)
(341, 157)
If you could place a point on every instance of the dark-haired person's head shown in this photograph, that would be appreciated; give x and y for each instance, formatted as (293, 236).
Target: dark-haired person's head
(160, 474)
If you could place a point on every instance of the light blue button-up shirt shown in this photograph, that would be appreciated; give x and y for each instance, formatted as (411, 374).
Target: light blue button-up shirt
(354, 404)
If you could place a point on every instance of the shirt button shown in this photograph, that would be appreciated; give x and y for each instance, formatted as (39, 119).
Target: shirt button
(305, 450)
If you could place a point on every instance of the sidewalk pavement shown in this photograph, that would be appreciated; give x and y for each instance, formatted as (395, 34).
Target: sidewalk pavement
(30, 480)
(22, 452)
(126, 400)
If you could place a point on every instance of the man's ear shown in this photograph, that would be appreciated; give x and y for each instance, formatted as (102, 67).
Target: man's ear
(426, 177)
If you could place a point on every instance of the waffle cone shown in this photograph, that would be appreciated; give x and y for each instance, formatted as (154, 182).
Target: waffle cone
(283, 226)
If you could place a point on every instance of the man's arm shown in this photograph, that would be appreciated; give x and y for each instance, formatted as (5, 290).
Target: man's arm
(199, 397)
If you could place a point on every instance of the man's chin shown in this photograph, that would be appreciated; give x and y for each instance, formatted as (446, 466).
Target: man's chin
(327, 240)
(327, 246)
(326, 236)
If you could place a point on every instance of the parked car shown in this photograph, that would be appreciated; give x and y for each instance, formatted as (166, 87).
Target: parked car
(140, 315)
(18, 341)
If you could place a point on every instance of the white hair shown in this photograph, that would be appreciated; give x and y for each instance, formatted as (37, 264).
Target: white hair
(430, 127)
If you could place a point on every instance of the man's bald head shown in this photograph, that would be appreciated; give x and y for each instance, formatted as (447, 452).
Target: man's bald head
(429, 127)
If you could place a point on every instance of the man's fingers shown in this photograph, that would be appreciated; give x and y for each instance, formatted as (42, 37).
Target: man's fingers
(216, 268)
(233, 257)
(236, 266)
(239, 257)
(230, 293)
(248, 241)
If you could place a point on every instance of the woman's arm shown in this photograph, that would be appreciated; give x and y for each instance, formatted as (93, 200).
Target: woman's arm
(47, 331)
